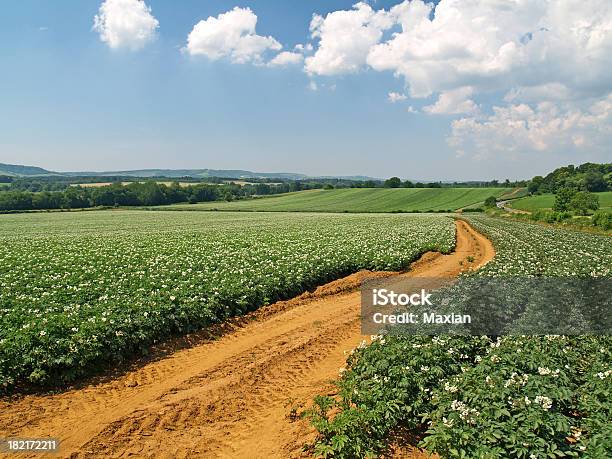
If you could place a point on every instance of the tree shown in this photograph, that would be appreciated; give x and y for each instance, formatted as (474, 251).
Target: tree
(535, 183)
(491, 201)
(408, 184)
(393, 182)
(594, 181)
(584, 201)
(76, 197)
(103, 196)
(150, 194)
(15, 200)
(563, 198)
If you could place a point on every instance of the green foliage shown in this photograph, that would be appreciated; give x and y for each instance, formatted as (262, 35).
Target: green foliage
(535, 184)
(491, 201)
(589, 176)
(563, 199)
(602, 220)
(546, 201)
(393, 182)
(550, 216)
(387, 383)
(516, 397)
(594, 181)
(81, 289)
(148, 193)
(521, 399)
(583, 202)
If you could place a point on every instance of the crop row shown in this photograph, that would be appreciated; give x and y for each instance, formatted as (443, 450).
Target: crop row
(81, 289)
(475, 396)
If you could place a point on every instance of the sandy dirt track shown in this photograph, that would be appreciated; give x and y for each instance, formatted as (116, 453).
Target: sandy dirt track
(227, 397)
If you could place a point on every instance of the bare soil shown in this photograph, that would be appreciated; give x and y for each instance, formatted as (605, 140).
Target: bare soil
(233, 396)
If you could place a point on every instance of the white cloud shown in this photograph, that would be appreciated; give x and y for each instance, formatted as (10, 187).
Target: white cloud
(125, 24)
(488, 45)
(547, 126)
(313, 85)
(546, 91)
(232, 35)
(345, 39)
(554, 56)
(286, 58)
(455, 102)
(300, 48)
(394, 97)
(493, 45)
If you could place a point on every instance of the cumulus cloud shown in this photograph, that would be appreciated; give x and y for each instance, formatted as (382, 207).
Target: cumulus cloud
(547, 91)
(286, 58)
(550, 58)
(455, 102)
(545, 126)
(232, 35)
(345, 39)
(494, 45)
(125, 24)
(394, 97)
(555, 48)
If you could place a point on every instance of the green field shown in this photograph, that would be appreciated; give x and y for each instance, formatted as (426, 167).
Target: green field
(81, 288)
(360, 200)
(515, 396)
(515, 193)
(546, 201)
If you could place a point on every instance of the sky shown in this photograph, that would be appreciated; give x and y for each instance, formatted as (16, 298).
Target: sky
(451, 90)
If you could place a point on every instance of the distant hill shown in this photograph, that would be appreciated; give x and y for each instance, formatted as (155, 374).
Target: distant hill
(23, 171)
(27, 171)
(196, 173)
(221, 173)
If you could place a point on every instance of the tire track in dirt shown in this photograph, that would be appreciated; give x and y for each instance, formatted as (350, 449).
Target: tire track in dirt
(229, 397)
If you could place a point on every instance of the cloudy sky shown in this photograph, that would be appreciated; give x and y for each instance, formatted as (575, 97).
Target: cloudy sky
(457, 89)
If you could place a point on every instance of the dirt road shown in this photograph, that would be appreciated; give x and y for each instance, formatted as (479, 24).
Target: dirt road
(228, 397)
(505, 206)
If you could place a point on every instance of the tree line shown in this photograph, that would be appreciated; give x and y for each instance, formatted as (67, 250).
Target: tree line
(148, 193)
(586, 177)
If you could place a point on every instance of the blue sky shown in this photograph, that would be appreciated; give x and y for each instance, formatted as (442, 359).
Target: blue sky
(71, 101)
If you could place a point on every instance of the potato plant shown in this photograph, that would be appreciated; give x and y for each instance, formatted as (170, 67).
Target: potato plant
(78, 290)
(516, 396)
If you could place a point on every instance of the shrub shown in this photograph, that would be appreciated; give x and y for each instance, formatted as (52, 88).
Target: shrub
(550, 216)
(563, 199)
(491, 201)
(584, 201)
(602, 219)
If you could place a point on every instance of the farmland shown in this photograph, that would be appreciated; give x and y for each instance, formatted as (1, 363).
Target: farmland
(547, 396)
(546, 201)
(361, 200)
(81, 289)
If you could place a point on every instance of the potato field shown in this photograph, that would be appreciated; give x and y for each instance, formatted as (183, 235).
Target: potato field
(78, 290)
